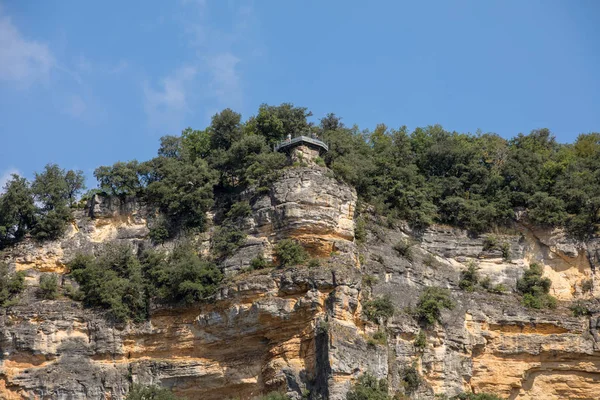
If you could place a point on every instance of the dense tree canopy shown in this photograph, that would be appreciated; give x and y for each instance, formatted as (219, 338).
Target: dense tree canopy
(42, 207)
(474, 181)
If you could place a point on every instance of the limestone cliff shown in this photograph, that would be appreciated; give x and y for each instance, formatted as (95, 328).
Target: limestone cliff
(301, 330)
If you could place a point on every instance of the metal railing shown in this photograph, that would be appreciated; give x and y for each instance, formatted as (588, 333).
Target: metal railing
(301, 138)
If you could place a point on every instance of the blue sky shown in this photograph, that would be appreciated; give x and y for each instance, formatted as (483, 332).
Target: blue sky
(84, 84)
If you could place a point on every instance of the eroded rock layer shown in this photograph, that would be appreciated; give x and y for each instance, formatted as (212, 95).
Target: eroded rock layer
(301, 330)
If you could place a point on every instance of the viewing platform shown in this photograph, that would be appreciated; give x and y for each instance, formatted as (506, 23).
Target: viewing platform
(301, 140)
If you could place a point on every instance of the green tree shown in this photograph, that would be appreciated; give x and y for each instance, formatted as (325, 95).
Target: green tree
(535, 289)
(171, 147)
(48, 286)
(431, 303)
(182, 191)
(380, 309)
(225, 129)
(368, 388)
(11, 284)
(195, 143)
(182, 277)
(289, 252)
(469, 278)
(120, 179)
(275, 122)
(17, 211)
(545, 209)
(51, 191)
(113, 280)
(75, 181)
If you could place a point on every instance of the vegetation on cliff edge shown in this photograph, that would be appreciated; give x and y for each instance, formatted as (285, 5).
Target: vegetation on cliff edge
(473, 181)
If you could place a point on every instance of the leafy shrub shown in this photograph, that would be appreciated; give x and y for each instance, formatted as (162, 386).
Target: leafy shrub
(182, 277)
(535, 288)
(124, 284)
(159, 232)
(546, 210)
(11, 284)
(113, 280)
(430, 260)
(238, 211)
(505, 248)
(320, 162)
(500, 288)
(139, 392)
(580, 309)
(379, 309)
(403, 248)
(48, 286)
(420, 341)
(368, 388)
(486, 283)
(226, 239)
(490, 242)
(469, 278)
(378, 338)
(322, 327)
(258, 262)
(587, 285)
(431, 303)
(538, 301)
(411, 380)
(314, 263)
(369, 280)
(73, 293)
(360, 230)
(289, 252)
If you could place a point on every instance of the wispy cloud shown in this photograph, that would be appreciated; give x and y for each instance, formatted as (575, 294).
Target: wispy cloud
(166, 105)
(5, 177)
(22, 62)
(225, 79)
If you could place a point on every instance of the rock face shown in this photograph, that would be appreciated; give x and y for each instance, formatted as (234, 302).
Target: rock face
(301, 330)
(305, 204)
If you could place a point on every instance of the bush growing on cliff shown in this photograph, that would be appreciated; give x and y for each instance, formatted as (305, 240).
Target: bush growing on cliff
(368, 388)
(535, 288)
(431, 303)
(124, 284)
(411, 380)
(403, 248)
(289, 252)
(11, 284)
(230, 236)
(48, 286)
(580, 309)
(380, 309)
(113, 280)
(182, 277)
(469, 278)
(258, 262)
(140, 392)
(17, 210)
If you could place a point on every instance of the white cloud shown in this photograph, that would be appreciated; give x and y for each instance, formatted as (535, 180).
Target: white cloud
(225, 82)
(166, 106)
(22, 61)
(5, 177)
